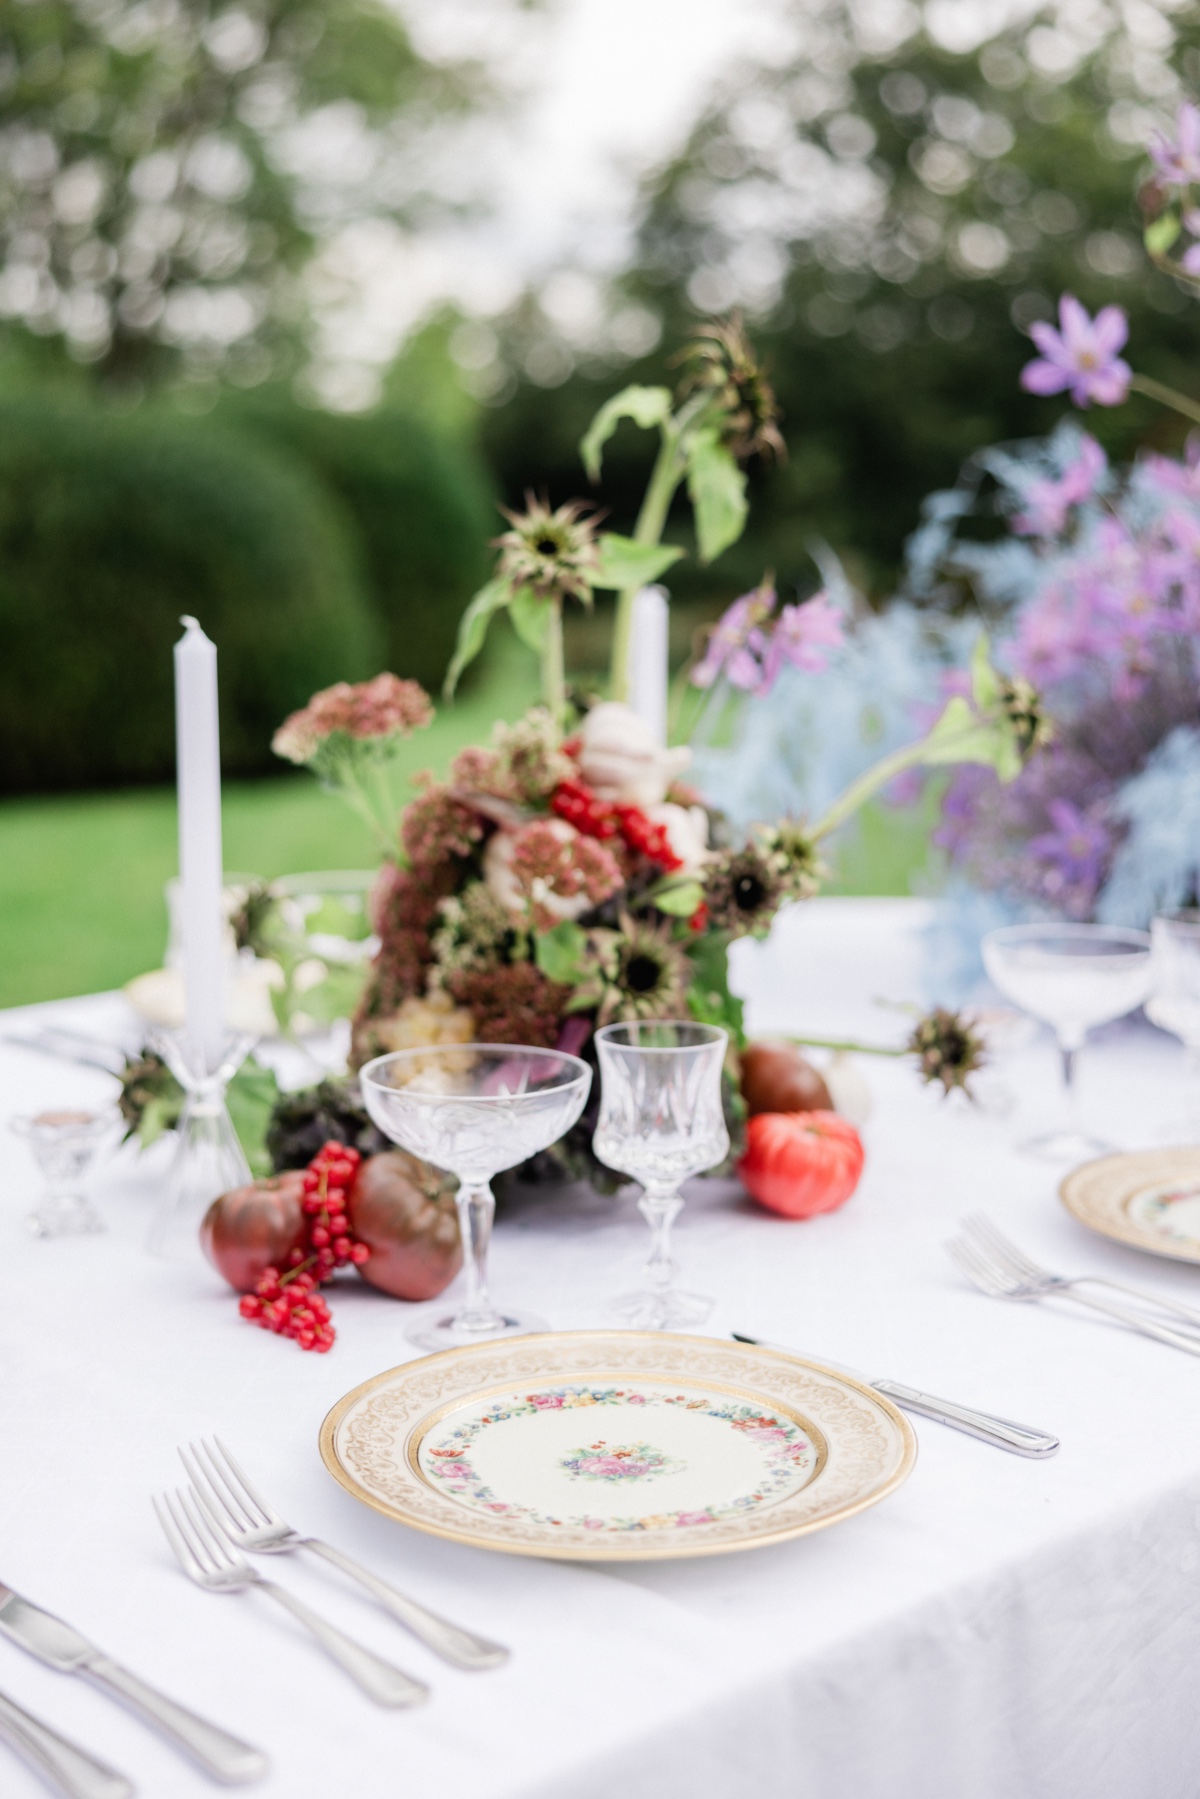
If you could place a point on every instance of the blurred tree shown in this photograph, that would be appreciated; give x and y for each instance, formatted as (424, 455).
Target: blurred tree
(167, 165)
(892, 216)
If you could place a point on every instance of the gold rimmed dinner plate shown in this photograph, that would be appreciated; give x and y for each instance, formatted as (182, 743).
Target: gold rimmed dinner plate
(1147, 1198)
(616, 1445)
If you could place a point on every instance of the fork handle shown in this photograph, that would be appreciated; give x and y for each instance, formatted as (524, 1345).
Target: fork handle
(1144, 1298)
(460, 1647)
(68, 1768)
(1161, 1332)
(379, 1680)
(222, 1756)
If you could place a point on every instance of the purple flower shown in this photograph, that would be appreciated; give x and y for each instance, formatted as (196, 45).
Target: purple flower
(1081, 355)
(731, 648)
(1047, 503)
(1178, 160)
(801, 637)
(1076, 849)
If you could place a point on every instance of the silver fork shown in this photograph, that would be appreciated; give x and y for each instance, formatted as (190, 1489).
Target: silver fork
(992, 1278)
(208, 1557)
(246, 1517)
(1007, 1255)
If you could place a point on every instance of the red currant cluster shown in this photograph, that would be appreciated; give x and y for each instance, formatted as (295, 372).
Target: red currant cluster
(327, 1182)
(289, 1304)
(577, 803)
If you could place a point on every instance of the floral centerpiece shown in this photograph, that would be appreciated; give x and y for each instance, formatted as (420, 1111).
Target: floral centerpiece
(566, 874)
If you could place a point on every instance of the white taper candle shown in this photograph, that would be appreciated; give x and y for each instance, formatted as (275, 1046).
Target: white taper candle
(648, 676)
(198, 766)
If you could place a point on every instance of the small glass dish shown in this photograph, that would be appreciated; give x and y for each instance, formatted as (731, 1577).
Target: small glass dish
(64, 1144)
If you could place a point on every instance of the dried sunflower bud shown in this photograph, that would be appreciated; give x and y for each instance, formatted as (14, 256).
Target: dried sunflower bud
(553, 553)
(721, 361)
(1022, 705)
(948, 1048)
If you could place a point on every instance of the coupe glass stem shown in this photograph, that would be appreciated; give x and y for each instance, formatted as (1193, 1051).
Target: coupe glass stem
(1068, 1051)
(476, 1210)
(660, 1207)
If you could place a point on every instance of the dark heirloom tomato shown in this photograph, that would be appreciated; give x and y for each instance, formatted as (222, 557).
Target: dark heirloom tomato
(251, 1229)
(398, 1209)
(777, 1078)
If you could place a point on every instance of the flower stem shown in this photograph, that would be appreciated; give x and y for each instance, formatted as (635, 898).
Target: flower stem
(1167, 396)
(861, 790)
(554, 686)
(846, 1046)
(665, 477)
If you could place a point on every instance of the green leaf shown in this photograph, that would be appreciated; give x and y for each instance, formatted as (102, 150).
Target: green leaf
(646, 406)
(709, 999)
(985, 682)
(1161, 234)
(625, 563)
(251, 1096)
(530, 614)
(473, 628)
(960, 735)
(559, 953)
(717, 488)
(679, 900)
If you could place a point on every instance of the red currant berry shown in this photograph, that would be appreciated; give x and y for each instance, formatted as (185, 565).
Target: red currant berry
(359, 1254)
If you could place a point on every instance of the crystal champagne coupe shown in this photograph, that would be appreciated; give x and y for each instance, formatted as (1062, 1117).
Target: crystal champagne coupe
(661, 1120)
(475, 1109)
(1174, 1002)
(63, 1145)
(1073, 977)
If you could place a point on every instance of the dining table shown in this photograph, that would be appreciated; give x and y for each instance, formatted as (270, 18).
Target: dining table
(997, 1628)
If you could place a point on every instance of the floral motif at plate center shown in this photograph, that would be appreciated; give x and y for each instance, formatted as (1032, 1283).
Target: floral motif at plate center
(1171, 1211)
(699, 1456)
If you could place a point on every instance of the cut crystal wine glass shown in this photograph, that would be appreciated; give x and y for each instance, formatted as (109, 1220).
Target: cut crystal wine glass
(1174, 1003)
(475, 1109)
(1072, 977)
(63, 1145)
(661, 1120)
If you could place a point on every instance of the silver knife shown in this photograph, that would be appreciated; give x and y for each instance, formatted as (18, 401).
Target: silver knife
(69, 1769)
(1019, 1439)
(59, 1645)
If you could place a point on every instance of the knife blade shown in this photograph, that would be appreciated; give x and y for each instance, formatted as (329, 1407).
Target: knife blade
(222, 1756)
(1002, 1433)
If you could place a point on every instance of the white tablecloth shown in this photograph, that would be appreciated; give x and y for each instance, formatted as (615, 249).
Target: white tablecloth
(999, 1627)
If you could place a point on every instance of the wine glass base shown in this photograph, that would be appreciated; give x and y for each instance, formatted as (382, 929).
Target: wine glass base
(1066, 1146)
(69, 1215)
(447, 1332)
(670, 1311)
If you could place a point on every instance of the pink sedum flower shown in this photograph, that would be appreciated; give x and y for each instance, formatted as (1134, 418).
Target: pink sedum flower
(384, 708)
(1081, 356)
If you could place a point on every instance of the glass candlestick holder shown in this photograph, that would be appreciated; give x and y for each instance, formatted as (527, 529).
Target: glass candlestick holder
(208, 1158)
(63, 1145)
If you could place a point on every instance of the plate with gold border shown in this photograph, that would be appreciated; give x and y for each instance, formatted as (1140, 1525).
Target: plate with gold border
(1147, 1198)
(616, 1445)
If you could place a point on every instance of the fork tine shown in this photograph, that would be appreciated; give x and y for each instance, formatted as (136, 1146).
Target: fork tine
(196, 1542)
(978, 1271)
(989, 1236)
(251, 1493)
(211, 1487)
(221, 1551)
(163, 1511)
(246, 1507)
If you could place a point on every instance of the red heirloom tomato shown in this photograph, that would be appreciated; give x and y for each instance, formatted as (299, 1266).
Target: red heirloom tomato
(801, 1163)
(251, 1229)
(409, 1226)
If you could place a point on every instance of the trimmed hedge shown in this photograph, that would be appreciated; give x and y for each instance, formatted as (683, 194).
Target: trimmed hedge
(423, 506)
(111, 527)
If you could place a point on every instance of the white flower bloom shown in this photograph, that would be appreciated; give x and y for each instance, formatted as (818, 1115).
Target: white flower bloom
(687, 833)
(621, 761)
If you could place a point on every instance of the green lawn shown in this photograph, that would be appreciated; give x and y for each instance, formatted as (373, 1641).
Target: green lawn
(81, 876)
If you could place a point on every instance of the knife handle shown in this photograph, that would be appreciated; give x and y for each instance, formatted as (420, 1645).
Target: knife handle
(68, 1768)
(1020, 1439)
(225, 1758)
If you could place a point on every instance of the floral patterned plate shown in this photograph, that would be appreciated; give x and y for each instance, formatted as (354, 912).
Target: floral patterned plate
(616, 1445)
(1148, 1198)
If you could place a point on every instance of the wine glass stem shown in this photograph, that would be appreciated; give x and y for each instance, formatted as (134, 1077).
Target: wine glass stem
(1067, 1053)
(660, 1208)
(476, 1209)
